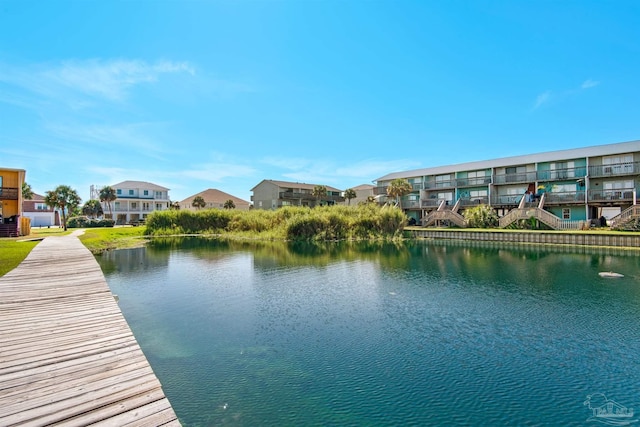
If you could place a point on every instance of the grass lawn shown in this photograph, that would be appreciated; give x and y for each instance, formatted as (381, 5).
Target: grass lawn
(104, 239)
(12, 252)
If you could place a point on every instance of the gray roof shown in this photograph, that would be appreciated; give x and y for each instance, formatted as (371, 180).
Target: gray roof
(575, 153)
(363, 187)
(139, 184)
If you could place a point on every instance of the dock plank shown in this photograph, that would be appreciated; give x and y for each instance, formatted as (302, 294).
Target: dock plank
(67, 355)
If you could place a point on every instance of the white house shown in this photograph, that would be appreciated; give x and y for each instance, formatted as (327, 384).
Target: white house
(135, 200)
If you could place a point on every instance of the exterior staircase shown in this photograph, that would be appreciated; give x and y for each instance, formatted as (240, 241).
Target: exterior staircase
(442, 214)
(623, 218)
(537, 212)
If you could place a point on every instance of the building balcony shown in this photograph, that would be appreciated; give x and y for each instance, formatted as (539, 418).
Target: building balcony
(562, 174)
(9, 193)
(288, 195)
(473, 201)
(138, 197)
(430, 203)
(473, 182)
(563, 198)
(506, 199)
(619, 169)
(380, 191)
(604, 196)
(515, 178)
(435, 185)
(410, 204)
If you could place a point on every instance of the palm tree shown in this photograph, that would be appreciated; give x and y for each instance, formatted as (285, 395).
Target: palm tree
(398, 188)
(27, 192)
(229, 204)
(108, 194)
(318, 192)
(198, 202)
(92, 208)
(174, 206)
(349, 194)
(64, 198)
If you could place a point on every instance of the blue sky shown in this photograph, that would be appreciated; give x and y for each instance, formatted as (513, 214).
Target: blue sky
(223, 94)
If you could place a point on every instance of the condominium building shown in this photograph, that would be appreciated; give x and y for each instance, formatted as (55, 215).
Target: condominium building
(135, 200)
(572, 185)
(270, 194)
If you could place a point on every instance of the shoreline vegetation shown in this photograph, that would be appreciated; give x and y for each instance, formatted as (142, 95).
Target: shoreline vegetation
(324, 223)
(368, 222)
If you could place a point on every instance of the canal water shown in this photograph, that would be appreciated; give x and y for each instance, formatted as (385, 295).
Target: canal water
(373, 334)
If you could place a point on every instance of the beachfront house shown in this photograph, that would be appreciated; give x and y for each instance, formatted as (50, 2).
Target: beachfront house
(39, 213)
(135, 200)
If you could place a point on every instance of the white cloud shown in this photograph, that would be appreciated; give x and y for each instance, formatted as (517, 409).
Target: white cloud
(132, 136)
(587, 84)
(322, 171)
(542, 99)
(67, 81)
(111, 79)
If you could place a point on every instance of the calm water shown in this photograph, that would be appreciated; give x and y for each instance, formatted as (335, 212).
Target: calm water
(417, 334)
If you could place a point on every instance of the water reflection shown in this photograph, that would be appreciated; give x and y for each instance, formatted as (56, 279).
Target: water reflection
(268, 333)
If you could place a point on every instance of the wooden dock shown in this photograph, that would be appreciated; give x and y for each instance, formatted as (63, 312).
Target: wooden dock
(67, 355)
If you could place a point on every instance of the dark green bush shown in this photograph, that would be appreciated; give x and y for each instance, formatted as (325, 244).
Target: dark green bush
(84, 222)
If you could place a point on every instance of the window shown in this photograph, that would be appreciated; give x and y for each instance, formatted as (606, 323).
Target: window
(516, 190)
(566, 213)
(41, 207)
(562, 170)
(477, 177)
(131, 192)
(515, 173)
(118, 191)
(146, 192)
(134, 205)
(145, 206)
(158, 206)
(443, 181)
(618, 189)
(476, 194)
(618, 164)
(563, 188)
(445, 196)
(158, 194)
(117, 206)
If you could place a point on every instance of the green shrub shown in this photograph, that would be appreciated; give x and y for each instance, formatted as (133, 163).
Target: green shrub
(84, 222)
(481, 216)
(291, 222)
